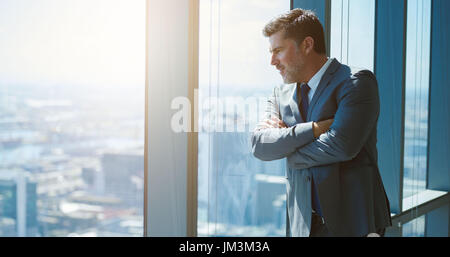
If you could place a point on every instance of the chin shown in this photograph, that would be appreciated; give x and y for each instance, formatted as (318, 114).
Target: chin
(287, 81)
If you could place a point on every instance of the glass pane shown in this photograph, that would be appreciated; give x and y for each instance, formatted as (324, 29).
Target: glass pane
(72, 77)
(414, 228)
(238, 194)
(416, 97)
(353, 32)
(434, 223)
(437, 222)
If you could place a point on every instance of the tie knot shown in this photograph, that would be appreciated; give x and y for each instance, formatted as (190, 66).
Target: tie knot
(304, 87)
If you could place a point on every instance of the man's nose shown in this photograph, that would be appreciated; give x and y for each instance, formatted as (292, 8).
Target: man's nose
(274, 61)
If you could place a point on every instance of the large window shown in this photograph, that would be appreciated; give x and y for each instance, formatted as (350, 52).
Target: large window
(72, 98)
(352, 34)
(417, 81)
(238, 195)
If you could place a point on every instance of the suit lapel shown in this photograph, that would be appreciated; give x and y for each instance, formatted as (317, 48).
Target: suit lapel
(324, 82)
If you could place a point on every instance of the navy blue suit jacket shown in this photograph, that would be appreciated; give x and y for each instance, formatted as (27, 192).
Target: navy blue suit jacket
(343, 161)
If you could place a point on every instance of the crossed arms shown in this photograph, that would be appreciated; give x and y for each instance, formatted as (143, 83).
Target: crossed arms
(319, 143)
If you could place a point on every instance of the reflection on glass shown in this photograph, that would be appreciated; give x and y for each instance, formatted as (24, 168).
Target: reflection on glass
(437, 222)
(416, 97)
(414, 228)
(432, 224)
(72, 117)
(352, 35)
(238, 194)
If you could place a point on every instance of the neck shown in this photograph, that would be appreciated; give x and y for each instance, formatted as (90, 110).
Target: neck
(316, 64)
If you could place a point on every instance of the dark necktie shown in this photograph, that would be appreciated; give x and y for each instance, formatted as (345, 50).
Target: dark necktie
(304, 90)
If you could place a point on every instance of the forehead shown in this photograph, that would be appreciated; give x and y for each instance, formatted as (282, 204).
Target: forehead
(277, 40)
(277, 37)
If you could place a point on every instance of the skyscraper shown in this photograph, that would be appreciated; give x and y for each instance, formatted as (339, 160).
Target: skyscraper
(18, 201)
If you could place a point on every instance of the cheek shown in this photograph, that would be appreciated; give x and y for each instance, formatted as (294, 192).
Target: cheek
(289, 61)
(285, 59)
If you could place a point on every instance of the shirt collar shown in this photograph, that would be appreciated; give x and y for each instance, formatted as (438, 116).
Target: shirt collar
(315, 80)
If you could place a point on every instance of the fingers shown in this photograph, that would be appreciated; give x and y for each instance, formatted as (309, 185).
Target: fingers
(322, 127)
(325, 124)
(278, 123)
(265, 124)
(274, 122)
(262, 126)
(329, 123)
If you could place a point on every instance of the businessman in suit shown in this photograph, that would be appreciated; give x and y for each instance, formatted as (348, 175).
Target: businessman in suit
(323, 120)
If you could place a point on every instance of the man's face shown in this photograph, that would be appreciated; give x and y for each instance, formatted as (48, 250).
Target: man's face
(287, 57)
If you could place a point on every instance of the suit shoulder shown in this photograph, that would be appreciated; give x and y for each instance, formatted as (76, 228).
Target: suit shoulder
(361, 83)
(364, 75)
(363, 79)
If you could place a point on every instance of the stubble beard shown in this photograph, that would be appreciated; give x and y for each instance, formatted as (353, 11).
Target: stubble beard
(292, 74)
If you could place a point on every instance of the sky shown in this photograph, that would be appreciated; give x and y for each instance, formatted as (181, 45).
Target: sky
(102, 42)
(72, 42)
(359, 17)
(243, 51)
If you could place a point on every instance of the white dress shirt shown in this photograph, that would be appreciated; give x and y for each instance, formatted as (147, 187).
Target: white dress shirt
(313, 83)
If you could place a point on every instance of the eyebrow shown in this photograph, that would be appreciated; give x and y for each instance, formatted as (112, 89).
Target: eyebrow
(275, 49)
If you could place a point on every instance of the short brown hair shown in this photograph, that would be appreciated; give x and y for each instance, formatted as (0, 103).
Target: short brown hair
(298, 24)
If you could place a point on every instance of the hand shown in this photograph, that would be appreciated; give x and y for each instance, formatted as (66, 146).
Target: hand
(272, 123)
(321, 127)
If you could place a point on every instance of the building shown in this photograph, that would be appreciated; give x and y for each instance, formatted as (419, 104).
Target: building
(124, 177)
(18, 198)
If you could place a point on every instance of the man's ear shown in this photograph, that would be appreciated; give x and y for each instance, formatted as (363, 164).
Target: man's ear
(308, 45)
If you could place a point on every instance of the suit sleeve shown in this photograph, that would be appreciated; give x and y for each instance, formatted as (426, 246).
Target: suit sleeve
(355, 119)
(274, 144)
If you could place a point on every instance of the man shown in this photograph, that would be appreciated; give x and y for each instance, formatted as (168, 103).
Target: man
(323, 120)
